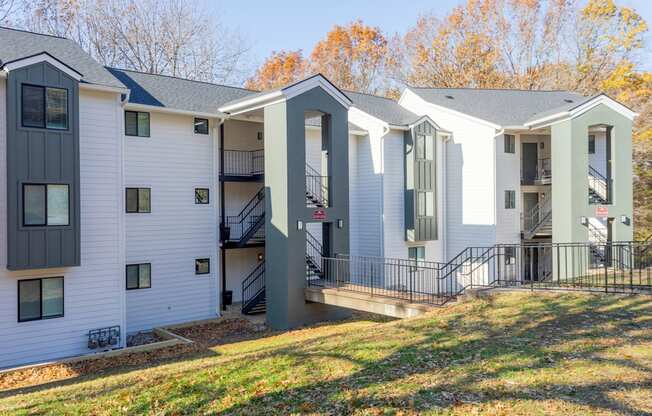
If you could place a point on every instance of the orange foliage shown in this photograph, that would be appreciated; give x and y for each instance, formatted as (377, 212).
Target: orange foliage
(281, 68)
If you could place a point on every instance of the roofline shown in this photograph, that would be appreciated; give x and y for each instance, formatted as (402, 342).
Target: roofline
(264, 99)
(41, 57)
(103, 88)
(580, 109)
(449, 110)
(157, 109)
(32, 33)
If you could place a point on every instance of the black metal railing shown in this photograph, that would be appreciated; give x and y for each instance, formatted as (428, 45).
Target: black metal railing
(253, 288)
(599, 187)
(314, 257)
(249, 223)
(544, 171)
(317, 188)
(243, 163)
(622, 267)
(537, 216)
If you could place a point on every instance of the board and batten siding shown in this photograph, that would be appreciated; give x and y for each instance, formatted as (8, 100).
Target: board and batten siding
(94, 291)
(172, 162)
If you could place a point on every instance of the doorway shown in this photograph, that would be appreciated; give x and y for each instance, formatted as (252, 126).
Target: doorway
(529, 160)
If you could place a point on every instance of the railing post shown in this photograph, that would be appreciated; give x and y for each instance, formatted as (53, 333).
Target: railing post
(606, 273)
(631, 267)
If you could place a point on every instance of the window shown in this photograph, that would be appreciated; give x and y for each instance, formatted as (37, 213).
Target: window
(202, 266)
(136, 124)
(40, 299)
(510, 255)
(510, 143)
(510, 199)
(425, 147)
(201, 196)
(426, 204)
(139, 200)
(201, 126)
(591, 144)
(44, 107)
(139, 276)
(46, 205)
(417, 253)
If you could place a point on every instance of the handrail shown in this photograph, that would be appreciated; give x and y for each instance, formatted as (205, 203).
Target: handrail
(316, 187)
(314, 252)
(544, 169)
(599, 184)
(253, 285)
(538, 214)
(243, 162)
(249, 216)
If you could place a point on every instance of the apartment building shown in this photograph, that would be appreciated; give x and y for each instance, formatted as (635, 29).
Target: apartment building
(136, 200)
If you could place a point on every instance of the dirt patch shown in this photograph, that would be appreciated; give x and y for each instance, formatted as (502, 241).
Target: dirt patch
(220, 332)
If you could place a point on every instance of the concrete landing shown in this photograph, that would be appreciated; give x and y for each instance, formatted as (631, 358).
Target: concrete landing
(362, 302)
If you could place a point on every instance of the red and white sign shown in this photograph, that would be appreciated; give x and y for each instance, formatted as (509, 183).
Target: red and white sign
(319, 214)
(602, 212)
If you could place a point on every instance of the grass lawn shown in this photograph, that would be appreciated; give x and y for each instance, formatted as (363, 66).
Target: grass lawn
(518, 353)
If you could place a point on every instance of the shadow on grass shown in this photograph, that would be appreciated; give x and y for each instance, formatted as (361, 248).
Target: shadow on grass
(548, 323)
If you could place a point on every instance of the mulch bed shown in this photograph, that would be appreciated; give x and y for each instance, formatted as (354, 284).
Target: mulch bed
(142, 338)
(219, 332)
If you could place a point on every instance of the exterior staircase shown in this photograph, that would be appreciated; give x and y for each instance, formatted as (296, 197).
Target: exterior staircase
(314, 257)
(248, 227)
(253, 292)
(599, 187)
(538, 220)
(316, 188)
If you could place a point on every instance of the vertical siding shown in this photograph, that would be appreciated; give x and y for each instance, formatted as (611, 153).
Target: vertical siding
(172, 162)
(94, 291)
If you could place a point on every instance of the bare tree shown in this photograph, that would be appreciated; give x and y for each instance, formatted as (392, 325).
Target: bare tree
(169, 37)
(6, 9)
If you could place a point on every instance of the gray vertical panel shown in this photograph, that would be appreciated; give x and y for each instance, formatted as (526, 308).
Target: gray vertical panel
(41, 156)
(425, 179)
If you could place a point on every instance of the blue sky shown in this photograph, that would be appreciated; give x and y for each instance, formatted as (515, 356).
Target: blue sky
(298, 24)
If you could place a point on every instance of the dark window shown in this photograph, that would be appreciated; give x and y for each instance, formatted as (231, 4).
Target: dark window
(510, 199)
(426, 204)
(591, 144)
(201, 196)
(139, 200)
(417, 253)
(136, 124)
(40, 299)
(201, 126)
(510, 255)
(139, 276)
(44, 107)
(46, 205)
(202, 266)
(510, 143)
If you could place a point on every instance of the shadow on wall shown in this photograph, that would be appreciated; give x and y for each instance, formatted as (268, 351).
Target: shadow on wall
(461, 234)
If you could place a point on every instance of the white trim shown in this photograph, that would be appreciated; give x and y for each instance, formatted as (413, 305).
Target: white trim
(274, 97)
(362, 119)
(581, 109)
(447, 110)
(155, 109)
(43, 57)
(103, 88)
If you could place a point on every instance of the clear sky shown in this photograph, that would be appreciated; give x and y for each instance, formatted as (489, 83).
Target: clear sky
(271, 25)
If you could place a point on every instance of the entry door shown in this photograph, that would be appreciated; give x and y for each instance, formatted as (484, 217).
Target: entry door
(529, 161)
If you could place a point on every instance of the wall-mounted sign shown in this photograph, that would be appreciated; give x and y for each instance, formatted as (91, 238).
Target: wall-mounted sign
(319, 214)
(602, 212)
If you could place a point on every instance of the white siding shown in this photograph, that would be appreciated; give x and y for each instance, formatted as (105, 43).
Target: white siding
(599, 159)
(94, 292)
(172, 162)
(364, 199)
(470, 177)
(508, 177)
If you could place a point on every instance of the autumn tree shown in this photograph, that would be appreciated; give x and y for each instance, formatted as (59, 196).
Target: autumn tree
(352, 57)
(279, 69)
(170, 37)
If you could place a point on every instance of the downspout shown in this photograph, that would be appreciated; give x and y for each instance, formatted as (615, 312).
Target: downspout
(444, 195)
(222, 287)
(382, 189)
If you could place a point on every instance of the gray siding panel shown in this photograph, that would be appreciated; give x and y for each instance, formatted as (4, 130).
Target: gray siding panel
(41, 156)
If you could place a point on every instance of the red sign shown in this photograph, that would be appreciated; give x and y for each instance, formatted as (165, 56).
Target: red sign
(602, 212)
(319, 214)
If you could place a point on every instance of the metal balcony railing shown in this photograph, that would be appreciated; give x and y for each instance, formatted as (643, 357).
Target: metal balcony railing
(243, 163)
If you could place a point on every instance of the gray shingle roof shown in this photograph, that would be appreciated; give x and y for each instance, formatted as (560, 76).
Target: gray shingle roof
(18, 44)
(501, 107)
(382, 108)
(177, 93)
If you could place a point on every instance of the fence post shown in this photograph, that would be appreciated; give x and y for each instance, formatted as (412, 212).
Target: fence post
(631, 267)
(606, 273)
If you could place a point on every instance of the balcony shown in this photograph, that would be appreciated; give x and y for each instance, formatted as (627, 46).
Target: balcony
(540, 174)
(243, 165)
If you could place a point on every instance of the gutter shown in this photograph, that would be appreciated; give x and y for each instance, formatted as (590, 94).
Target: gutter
(152, 108)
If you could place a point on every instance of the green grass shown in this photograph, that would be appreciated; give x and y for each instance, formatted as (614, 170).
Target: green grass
(517, 353)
